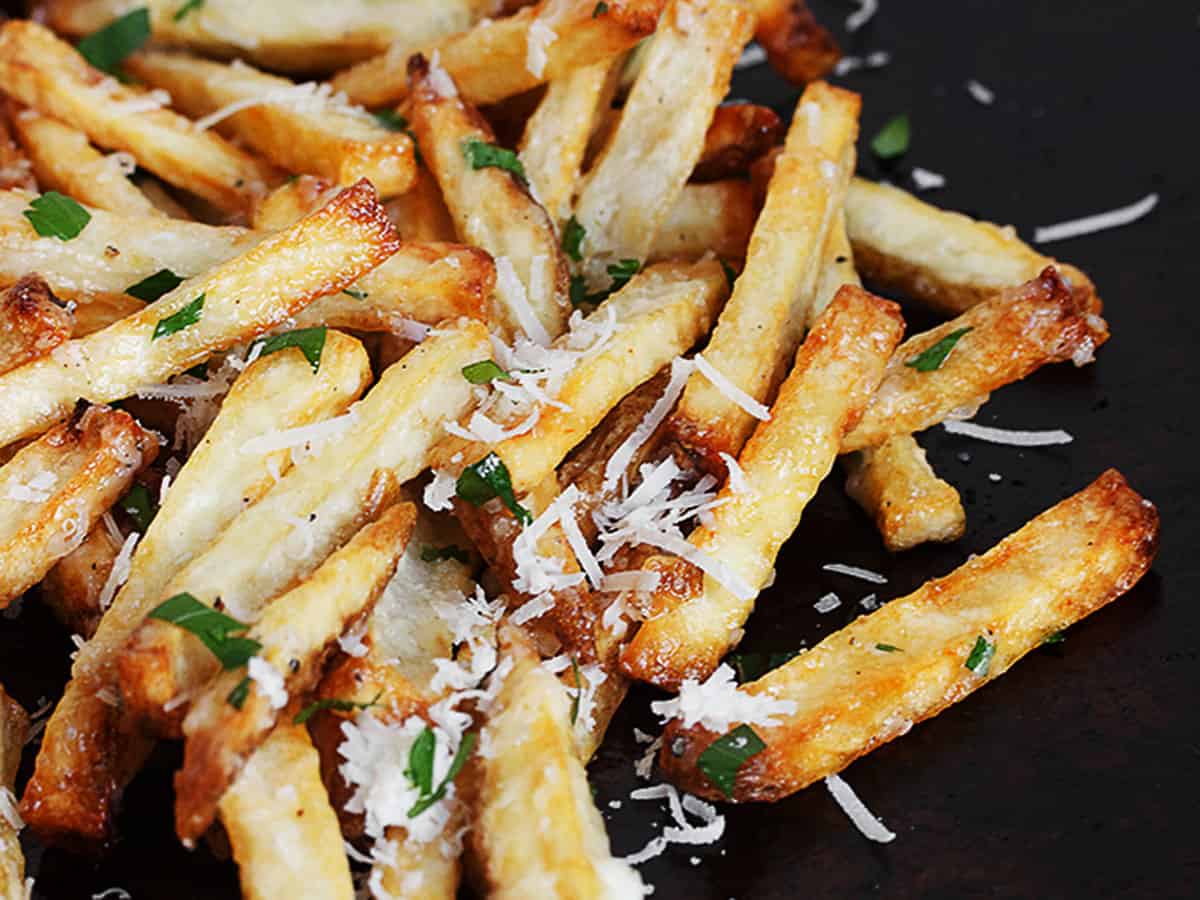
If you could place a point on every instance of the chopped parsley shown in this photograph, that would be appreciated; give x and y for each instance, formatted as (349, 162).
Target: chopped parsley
(1053, 638)
(578, 690)
(600, 10)
(931, 360)
(888, 648)
(57, 215)
(753, 666)
(178, 321)
(482, 155)
(237, 697)
(892, 140)
(309, 341)
(391, 120)
(579, 291)
(216, 630)
(488, 479)
(107, 48)
(154, 286)
(621, 273)
(190, 6)
(980, 658)
(420, 768)
(357, 295)
(441, 554)
(139, 506)
(572, 239)
(334, 703)
(725, 756)
(484, 372)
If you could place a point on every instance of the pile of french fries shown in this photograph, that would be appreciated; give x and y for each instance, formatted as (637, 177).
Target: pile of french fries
(374, 456)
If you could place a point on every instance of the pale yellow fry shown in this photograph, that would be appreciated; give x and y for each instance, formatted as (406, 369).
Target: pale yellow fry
(717, 217)
(628, 194)
(72, 589)
(244, 297)
(837, 269)
(32, 323)
(84, 760)
(696, 619)
(283, 832)
(759, 330)
(1059, 568)
(14, 728)
(312, 133)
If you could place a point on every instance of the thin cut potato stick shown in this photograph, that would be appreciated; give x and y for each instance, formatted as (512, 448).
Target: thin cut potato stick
(944, 259)
(738, 135)
(952, 636)
(284, 834)
(296, 633)
(240, 299)
(837, 269)
(627, 195)
(797, 46)
(309, 133)
(1011, 336)
(695, 620)
(32, 323)
(659, 314)
(761, 326)
(55, 489)
(85, 759)
(45, 73)
(64, 161)
(421, 214)
(16, 171)
(73, 588)
(531, 721)
(717, 217)
(491, 61)
(385, 439)
(492, 209)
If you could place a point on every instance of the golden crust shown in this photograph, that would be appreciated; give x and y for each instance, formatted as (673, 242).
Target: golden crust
(797, 46)
(73, 587)
(738, 135)
(1060, 567)
(32, 322)
(15, 169)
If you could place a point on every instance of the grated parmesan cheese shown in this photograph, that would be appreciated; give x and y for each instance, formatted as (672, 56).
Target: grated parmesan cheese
(310, 99)
(440, 491)
(308, 439)
(718, 704)
(855, 572)
(1013, 438)
(875, 60)
(861, 16)
(37, 490)
(981, 93)
(731, 391)
(269, 681)
(119, 573)
(710, 829)
(1124, 215)
(9, 811)
(352, 643)
(871, 827)
(513, 293)
(828, 603)
(926, 180)
(439, 79)
(541, 36)
(614, 469)
(738, 482)
(753, 55)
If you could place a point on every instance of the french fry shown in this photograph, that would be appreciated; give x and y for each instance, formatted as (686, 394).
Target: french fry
(659, 314)
(491, 61)
(283, 832)
(15, 169)
(14, 728)
(629, 192)
(421, 214)
(42, 72)
(909, 504)
(738, 135)
(696, 619)
(301, 131)
(530, 720)
(383, 442)
(64, 161)
(772, 296)
(944, 259)
(797, 46)
(492, 209)
(717, 217)
(85, 758)
(241, 299)
(55, 489)
(156, 192)
(837, 269)
(72, 589)
(557, 134)
(32, 323)
(954, 635)
(296, 633)
(1011, 336)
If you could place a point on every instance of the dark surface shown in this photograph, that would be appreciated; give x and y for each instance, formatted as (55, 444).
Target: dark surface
(1075, 775)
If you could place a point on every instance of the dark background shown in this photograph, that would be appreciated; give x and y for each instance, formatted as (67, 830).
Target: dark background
(1076, 774)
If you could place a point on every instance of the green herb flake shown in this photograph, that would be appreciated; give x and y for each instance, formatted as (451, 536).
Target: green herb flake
(139, 506)
(57, 215)
(309, 341)
(391, 120)
(237, 697)
(200, 370)
(432, 554)
(980, 658)
(154, 286)
(600, 10)
(190, 6)
(622, 272)
(888, 648)
(357, 295)
(488, 479)
(107, 48)
(892, 140)
(932, 359)
(725, 756)
(579, 291)
(578, 690)
(335, 704)
(482, 155)
(572, 239)
(420, 768)
(215, 629)
(1054, 638)
(178, 321)
(753, 666)
(484, 372)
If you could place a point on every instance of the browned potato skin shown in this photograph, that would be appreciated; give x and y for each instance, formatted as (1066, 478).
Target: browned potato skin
(1013, 335)
(1069, 561)
(739, 134)
(797, 46)
(32, 322)
(72, 588)
(15, 170)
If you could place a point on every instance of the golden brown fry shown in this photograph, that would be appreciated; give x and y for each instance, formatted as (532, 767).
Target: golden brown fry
(797, 46)
(421, 214)
(322, 254)
(313, 134)
(717, 217)
(14, 727)
(56, 489)
(43, 72)
(941, 258)
(1060, 567)
(284, 834)
(297, 633)
(627, 195)
(837, 269)
(762, 324)
(64, 161)
(85, 758)
(15, 169)
(491, 61)
(72, 589)
(492, 209)
(32, 323)
(738, 135)
(1011, 336)
(695, 619)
